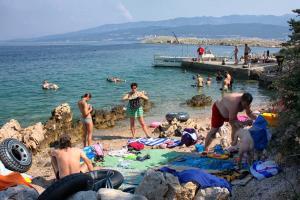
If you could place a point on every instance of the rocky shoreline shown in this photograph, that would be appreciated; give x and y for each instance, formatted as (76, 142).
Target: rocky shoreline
(253, 42)
(38, 136)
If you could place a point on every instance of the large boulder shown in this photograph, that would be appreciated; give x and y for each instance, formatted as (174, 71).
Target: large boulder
(59, 122)
(11, 130)
(33, 135)
(62, 113)
(147, 105)
(212, 193)
(164, 186)
(103, 119)
(84, 195)
(199, 100)
(112, 194)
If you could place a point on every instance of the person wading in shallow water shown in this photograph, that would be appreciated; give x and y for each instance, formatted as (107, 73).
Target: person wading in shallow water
(65, 159)
(135, 109)
(226, 110)
(86, 119)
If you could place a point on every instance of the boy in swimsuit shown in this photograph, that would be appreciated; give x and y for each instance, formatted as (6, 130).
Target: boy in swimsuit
(246, 145)
(86, 119)
(66, 159)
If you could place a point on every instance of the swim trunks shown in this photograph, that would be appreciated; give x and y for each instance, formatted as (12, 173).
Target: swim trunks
(86, 120)
(217, 120)
(135, 112)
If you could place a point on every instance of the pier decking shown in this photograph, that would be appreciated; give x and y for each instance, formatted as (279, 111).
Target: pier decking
(239, 71)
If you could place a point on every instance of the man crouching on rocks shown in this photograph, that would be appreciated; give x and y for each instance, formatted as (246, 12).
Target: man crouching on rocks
(226, 110)
(66, 159)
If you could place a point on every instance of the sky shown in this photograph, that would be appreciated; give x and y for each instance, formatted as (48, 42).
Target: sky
(33, 18)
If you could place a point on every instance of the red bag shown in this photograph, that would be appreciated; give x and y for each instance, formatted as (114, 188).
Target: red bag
(136, 146)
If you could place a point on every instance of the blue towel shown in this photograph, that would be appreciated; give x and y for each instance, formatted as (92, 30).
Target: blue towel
(204, 179)
(204, 163)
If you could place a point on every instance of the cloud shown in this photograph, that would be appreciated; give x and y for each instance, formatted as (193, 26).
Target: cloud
(125, 12)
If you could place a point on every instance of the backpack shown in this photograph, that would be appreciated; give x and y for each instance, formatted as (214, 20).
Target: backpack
(99, 154)
(189, 137)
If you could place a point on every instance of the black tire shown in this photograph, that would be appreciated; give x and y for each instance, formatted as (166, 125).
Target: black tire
(100, 178)
(182, 116)
(67, 186)
(170, 116)
(15, 156)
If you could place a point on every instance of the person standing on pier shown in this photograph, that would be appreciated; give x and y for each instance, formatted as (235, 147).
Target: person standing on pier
(236, 51)
(247, 51)
(200, 51)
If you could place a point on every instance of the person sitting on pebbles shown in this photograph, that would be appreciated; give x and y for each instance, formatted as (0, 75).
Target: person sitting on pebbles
(65, 159)
(46, 85)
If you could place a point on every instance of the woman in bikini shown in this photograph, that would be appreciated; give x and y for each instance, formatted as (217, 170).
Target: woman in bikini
(135, 109)
(86, 119)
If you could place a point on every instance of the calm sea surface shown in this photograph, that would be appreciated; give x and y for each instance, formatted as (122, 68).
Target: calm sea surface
(81, 68)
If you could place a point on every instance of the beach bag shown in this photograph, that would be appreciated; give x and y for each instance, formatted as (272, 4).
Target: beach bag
(134, 104)
(189, 137)
(98, 150)
(259, 133)
(136, 146)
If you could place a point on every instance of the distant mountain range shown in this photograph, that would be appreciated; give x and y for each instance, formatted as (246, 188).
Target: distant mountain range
(261, 26)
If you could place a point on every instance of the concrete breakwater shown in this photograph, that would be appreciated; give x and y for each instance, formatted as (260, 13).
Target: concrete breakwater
(253, 72)
(254, 42)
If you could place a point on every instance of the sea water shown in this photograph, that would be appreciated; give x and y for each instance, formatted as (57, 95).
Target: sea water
(84, 67)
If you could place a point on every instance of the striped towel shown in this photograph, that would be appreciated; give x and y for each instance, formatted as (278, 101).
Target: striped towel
(266, 169)
(156, 141)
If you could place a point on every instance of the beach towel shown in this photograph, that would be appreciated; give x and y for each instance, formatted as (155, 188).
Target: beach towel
(12, 179)
(204, 163)
(204, 179)
(156, 141)
(264, 169)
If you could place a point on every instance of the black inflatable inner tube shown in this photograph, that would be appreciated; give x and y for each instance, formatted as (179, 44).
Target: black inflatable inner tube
(67, 186)
(170, 116)
(180, 116)
(183, 116)
(106, 178)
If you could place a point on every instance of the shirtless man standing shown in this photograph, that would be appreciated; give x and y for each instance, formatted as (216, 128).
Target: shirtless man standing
(86, 119)
(226, 110)
(66, 159)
